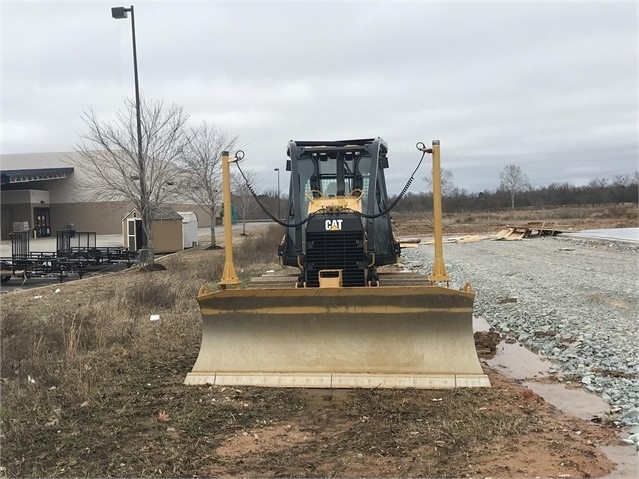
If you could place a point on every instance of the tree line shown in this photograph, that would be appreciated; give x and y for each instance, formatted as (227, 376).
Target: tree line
(515, 191)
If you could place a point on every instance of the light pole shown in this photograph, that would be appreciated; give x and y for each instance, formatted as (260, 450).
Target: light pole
(118, 13)
(278, 192)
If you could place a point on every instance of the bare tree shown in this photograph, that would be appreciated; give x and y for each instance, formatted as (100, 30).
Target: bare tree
(447, 185)
(201, 176)
(242, 196)
(108, 151)
(513, 180)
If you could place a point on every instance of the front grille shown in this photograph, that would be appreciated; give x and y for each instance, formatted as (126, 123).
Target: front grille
(336, 250)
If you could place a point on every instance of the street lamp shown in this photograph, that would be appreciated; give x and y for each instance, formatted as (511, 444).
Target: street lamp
(278, 192)
(120, 12)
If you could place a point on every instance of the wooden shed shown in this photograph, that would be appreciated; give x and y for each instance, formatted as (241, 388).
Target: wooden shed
(166, 227)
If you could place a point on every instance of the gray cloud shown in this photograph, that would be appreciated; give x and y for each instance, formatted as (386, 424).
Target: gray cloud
(550, 87)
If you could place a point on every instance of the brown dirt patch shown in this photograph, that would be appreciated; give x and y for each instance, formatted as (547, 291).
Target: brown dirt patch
(574, 218)
(486, 343)
(507, 431)
(106, 398)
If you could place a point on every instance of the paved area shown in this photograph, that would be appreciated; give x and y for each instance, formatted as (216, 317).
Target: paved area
(613, 234)
(48, 245)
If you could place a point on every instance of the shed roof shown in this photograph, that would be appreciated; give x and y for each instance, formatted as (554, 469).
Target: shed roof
(160, 214)
(166, 214)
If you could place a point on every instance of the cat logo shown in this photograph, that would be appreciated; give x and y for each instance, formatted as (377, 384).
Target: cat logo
(333, 225)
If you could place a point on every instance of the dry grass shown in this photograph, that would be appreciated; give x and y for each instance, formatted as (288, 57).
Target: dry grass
(99, 328)
(561, 218)
(561, 213)
(616, 212)
(92, 387)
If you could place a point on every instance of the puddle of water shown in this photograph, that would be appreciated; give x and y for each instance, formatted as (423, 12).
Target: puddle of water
(517, 362)
(576, 402)
(513, 360)
(626, 459)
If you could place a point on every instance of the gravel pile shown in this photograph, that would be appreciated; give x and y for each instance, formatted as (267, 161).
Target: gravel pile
(573, 301)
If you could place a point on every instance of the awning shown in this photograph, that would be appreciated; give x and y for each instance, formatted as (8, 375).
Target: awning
(42, 174)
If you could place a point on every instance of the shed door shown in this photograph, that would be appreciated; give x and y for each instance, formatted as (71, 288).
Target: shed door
(136, 238)
(130, 227)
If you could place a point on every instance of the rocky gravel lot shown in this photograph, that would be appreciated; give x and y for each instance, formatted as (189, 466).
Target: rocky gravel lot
(576, 302)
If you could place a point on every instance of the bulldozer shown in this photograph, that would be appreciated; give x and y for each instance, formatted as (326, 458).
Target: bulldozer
(344, 317)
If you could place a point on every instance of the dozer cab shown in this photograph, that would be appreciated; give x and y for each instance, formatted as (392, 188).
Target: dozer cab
(339, 209)
(340, 320)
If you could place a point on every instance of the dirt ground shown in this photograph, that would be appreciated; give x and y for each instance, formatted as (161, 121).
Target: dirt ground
(400, 433)
(407, 224)
(153, 426)
(121, 410)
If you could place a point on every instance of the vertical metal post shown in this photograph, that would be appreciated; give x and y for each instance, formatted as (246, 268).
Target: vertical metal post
(119, 13)
(278, 192)
(229, 276)
(439, 269)
(141, 163)
(137, 105)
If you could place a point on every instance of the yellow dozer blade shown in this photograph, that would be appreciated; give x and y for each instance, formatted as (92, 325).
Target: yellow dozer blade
(406, 333)
(389, 337)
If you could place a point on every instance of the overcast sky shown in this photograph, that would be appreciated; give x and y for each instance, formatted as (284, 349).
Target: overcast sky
(550, 87)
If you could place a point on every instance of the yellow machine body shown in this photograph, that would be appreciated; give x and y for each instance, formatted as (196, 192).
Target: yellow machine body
(406, 332)
(335, 203)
